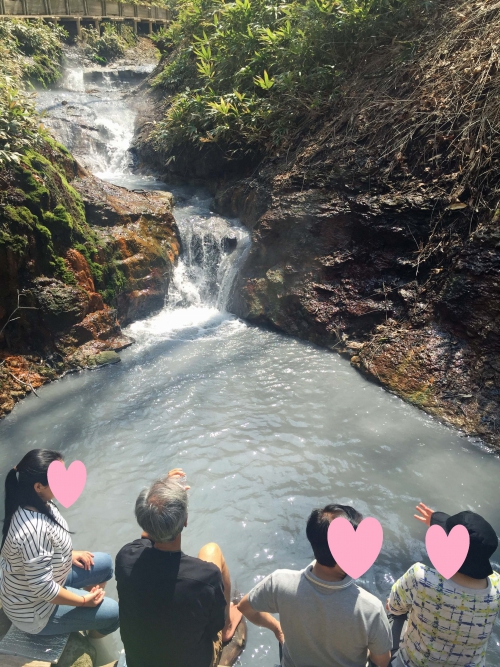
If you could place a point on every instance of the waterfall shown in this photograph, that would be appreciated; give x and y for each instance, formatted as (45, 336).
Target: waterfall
(89, 113)
(205, 273)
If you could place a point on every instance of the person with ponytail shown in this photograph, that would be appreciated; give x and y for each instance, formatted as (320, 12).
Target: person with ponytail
(46, 588)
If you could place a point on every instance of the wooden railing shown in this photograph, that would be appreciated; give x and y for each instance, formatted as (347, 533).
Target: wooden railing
(81, 10)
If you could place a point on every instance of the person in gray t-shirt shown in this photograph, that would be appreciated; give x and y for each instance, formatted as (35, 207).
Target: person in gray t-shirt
(325, 618)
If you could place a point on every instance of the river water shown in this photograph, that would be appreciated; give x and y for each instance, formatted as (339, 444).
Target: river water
(265, 426)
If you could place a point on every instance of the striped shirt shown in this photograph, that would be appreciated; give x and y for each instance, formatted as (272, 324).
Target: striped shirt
(447, 623)
(35, 561)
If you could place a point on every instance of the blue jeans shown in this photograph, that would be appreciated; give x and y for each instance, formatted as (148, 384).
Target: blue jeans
(103, 618)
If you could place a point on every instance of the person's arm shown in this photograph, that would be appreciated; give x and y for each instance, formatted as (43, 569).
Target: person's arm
(37, 552)
(380, 660)
(262, 619)
(401, 598)
(92, 599)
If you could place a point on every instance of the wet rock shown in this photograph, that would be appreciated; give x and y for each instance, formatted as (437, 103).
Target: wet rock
(80, 265)
(81, 270)
(105, 358)
(327, 268)
(60, 305)
(139, 231)
(79, 652)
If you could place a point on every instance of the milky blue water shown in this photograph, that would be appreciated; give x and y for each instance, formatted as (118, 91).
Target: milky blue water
(266, 427)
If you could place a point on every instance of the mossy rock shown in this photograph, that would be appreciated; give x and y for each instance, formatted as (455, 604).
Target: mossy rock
(79, 652)
(107, 357)
(61, 305)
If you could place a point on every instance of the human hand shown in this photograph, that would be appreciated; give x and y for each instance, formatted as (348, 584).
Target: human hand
(426, 513)
(278, 633)
(179, 474)
(83, 559)
(94, 598)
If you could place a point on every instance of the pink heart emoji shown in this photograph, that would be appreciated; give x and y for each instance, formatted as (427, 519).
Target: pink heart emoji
(67, 485)
(447, 552)
(355, 550)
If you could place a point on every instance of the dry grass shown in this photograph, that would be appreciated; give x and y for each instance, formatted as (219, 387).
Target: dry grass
(421, 118)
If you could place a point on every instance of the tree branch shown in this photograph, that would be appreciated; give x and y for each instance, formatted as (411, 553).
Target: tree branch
(11, 317)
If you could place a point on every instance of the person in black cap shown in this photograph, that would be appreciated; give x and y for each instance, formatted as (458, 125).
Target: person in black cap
(449, 620)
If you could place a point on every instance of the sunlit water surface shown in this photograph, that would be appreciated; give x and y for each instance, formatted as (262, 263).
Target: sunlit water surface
(266, 427)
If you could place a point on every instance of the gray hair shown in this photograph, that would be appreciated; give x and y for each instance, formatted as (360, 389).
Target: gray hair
(161, 510)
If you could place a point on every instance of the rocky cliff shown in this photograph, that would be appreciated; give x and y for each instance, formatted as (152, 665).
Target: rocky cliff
(79, 258)
(375, 229)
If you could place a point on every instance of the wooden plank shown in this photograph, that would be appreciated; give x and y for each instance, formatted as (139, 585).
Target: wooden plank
(112, 9)
(76, 8)
(58, 7)
(94, 8)
(128, 10)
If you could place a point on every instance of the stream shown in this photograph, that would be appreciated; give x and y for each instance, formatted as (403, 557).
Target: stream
(266, 427)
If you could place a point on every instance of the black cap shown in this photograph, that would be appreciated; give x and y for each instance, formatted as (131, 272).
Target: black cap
(483, 541)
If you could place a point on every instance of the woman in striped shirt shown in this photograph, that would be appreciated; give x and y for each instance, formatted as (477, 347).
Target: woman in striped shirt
(46, 588)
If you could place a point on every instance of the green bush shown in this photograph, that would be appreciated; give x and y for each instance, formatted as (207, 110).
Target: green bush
(248, 73)
(28, 50)
(38, 44)
(111, 44)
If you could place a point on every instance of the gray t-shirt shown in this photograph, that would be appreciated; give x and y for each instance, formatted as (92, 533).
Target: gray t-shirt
(326, 624)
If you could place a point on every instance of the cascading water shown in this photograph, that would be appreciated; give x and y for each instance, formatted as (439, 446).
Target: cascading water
(90, 115)
(266, 427)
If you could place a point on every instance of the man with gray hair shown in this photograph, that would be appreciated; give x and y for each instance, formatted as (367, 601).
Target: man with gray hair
(175, 610)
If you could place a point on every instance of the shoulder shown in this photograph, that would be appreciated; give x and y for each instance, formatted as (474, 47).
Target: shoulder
(287, 576)
(419, 573)
(133, 549)
(369, 601)
(284, 579)
(57, 514)
(200, 570)
(25, 524)
(495, 580)
(420, 577)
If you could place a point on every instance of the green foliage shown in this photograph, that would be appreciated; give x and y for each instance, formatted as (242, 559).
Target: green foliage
(109, 45)
(14, 242)
(116, 282)
(62, 272)
(38, 44)
(18, 122)
(32, 51)
(249, 73)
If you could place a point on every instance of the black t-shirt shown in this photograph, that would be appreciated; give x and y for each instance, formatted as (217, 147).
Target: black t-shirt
(171, 606)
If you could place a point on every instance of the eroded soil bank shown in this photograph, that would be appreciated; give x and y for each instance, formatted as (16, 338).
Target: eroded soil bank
(375, 231)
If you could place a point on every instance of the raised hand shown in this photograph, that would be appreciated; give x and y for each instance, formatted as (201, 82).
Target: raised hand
(180, 475)
(425, 514)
